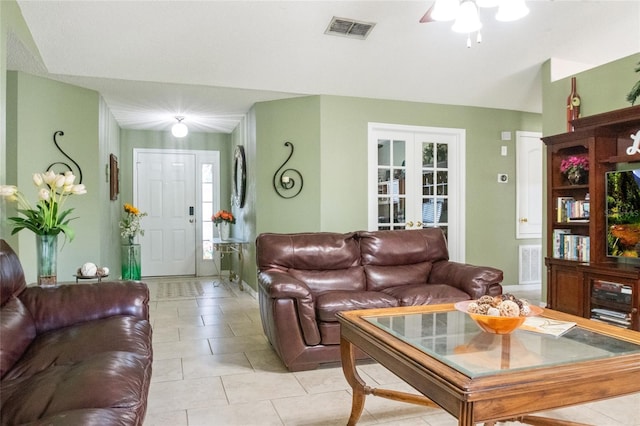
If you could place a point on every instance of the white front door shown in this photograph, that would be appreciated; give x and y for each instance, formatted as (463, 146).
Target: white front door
(164, 188)
(528, 185)
(416, 180)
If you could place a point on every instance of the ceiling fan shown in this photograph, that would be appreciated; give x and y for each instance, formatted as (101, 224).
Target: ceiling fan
(466, 16)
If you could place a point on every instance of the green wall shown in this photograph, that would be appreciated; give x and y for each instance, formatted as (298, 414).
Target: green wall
(330, 137)
(42, 107)
(601, 89)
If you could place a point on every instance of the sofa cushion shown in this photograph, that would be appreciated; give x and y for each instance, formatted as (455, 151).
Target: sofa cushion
(12, 280)
(17, 331)
(330, 303)
(381, 277)
(330, 280)
(106, 380)
(403, 247)
(73, 344)
(310, 251)
(426, 294)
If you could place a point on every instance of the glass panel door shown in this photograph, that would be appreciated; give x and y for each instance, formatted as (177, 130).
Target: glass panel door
(392, 196)
(435, 184)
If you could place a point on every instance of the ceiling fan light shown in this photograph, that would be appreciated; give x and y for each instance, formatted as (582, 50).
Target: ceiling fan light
(512, 10)
(468, 20)
(445, 10)
(179, 130)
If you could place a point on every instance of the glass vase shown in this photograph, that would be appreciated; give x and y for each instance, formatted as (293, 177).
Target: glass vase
(47, 258)
(130, 261)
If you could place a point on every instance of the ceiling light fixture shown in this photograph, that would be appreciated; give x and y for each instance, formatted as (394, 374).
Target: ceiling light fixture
(467, 15)
(179, 130)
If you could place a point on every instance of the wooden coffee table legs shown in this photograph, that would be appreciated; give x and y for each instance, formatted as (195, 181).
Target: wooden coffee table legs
(361, 390)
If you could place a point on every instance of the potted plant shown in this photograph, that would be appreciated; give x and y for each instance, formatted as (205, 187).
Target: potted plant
(575, 168)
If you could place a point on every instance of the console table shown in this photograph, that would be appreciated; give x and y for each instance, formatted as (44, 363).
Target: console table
(231, 246)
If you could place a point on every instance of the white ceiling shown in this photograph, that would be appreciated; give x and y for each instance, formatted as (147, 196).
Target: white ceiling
(212, 60)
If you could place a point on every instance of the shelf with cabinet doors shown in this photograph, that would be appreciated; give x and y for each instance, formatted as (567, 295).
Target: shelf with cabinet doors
(576, 239)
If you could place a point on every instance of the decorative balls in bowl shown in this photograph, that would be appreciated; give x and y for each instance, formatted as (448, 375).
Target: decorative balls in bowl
(498, 314)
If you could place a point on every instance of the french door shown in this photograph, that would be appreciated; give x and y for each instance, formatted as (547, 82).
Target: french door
(416, 180)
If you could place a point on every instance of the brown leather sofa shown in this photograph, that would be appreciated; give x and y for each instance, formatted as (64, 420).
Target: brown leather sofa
(75, 354)
(304, 279)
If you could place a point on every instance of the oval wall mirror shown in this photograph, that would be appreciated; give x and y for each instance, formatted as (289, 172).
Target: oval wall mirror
(239, 176)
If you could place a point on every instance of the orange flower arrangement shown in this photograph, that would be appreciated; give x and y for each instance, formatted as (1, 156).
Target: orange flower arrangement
(223, 216)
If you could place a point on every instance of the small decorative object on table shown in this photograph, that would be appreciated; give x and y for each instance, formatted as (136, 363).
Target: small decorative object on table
(130, 252)
(48, 219)
(90, 271)
(223, 221)
(498, 314)
(575, 168)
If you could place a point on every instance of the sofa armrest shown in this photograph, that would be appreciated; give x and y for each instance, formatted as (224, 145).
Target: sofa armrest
(474, 280)
(281, 285)
(65, 305)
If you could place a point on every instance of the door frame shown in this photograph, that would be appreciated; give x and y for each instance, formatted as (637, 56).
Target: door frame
(202, 267)
(457, 239)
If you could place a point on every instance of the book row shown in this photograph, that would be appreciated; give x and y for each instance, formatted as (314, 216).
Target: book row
(570, 209)
(569, 246)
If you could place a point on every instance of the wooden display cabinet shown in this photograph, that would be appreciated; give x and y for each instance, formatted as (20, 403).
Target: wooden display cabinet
(577, 245)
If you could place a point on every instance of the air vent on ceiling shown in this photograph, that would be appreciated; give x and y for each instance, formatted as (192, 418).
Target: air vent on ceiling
(349, 28)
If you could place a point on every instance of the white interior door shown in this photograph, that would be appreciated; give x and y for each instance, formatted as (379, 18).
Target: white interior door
(528, 185)
(165, 190)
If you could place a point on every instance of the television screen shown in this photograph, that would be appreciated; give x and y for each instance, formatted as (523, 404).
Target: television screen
(623, 213)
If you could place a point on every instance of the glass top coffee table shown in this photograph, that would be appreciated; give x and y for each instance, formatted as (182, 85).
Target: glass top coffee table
(482, 377)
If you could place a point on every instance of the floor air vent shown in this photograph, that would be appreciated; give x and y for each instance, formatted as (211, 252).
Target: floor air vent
(349, 28)
(530, 264)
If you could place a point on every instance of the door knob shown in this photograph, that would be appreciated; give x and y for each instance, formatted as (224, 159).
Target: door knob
(410, 224)
(418, 224)
(523, 220)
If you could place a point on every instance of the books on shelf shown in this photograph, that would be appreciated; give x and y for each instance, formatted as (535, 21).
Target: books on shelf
(569, 246)
(572, 210)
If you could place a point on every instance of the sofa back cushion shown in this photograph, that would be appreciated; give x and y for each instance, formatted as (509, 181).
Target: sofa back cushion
(392, 258)
(322, 260)
(17, 329)
(12, 280)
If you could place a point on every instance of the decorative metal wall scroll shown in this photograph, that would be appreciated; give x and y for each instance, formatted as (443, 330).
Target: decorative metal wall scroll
(68, 167)
(287, 179)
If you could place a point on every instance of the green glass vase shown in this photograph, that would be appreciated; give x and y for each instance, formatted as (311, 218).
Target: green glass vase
(47, 258)
(130, 261)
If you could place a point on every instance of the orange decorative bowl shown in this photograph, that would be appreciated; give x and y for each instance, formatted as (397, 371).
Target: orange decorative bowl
(494, 324)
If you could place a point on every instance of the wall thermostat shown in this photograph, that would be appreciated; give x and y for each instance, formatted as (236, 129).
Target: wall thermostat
(503, 178)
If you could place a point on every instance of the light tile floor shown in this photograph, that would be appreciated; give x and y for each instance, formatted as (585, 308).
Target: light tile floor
(214, 366)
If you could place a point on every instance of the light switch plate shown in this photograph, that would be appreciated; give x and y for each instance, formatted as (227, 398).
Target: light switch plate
(503, 150)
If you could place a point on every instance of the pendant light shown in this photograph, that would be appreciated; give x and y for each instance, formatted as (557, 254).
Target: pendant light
(179, 130)
(468, 20)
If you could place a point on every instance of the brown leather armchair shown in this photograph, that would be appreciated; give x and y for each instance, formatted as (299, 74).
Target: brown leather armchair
(75, 354)
(305, 279)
